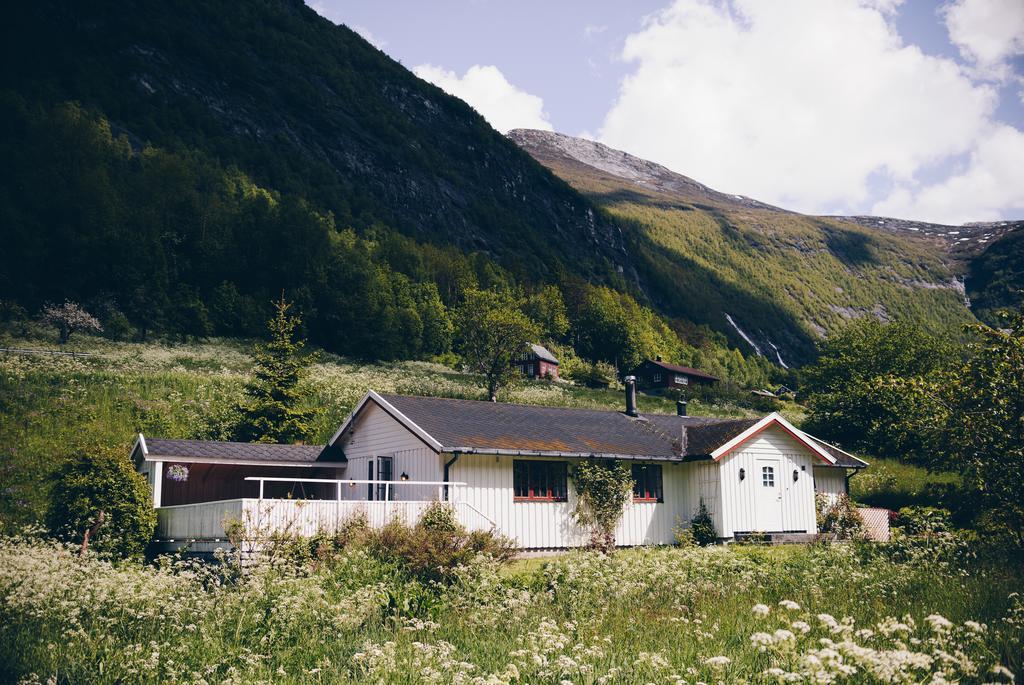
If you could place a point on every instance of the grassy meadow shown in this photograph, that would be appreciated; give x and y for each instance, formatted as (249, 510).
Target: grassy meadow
(907, 612)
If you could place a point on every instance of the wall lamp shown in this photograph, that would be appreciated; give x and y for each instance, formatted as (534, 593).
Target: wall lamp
(404, 476)
(743, 474)
(796, 475)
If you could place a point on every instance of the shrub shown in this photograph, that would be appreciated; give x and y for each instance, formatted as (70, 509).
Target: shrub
(99, 499)
(68, 318)
(703, 526)
(926, 521)
(432, 549)
(838, 520)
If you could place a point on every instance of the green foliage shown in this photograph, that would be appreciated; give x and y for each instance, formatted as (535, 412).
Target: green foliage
(972, 415)
(437, 545)
(99, 493)
(603, 489)
(923, 520)
(491, 332)
(850, 396)
(274, 411)
(838, 520)
(995, 278)
(703, 527)
(547, 308)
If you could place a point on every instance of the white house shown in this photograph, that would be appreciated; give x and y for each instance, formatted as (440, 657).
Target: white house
(507, 467)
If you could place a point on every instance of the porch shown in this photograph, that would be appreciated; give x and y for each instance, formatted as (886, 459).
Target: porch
(203, 526)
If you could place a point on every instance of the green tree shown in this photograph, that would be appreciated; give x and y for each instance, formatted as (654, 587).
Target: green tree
(547, 308)
(849, 396)
(491, 332)
(274, 410)
(603, 490)
(99, 499)
(971, 417)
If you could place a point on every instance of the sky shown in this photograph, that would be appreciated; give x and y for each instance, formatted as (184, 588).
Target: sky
(906, 108)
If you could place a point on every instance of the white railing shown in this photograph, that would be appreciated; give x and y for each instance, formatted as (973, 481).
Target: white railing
(352, 482)
(206, 520)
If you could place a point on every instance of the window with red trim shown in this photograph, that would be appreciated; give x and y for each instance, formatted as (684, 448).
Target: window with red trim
(647, 483)
(542, 481)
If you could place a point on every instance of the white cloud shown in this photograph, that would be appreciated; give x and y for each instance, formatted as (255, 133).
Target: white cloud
(987, 32)
(487, 90)
(591, 30)
(794, 102)
(990, 186)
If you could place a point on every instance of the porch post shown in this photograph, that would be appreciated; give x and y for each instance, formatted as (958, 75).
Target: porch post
(387, 500)
(261, 488)
(158, 483)
(337, 490)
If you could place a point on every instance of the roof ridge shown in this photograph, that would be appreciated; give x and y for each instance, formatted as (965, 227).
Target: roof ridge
(553, 407)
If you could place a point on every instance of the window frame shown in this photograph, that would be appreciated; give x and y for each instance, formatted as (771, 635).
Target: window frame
(656, 378)
(768, 476)
(681, 379)
(553, 475)
(650, 482)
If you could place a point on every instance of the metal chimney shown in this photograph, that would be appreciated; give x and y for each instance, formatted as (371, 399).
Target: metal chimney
(680, 407)
(631, 396)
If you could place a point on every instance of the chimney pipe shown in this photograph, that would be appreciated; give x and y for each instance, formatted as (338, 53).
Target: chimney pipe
(680, 407)
(631, 396)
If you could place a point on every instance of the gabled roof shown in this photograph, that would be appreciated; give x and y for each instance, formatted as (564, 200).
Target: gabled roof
(543, 354)
(222, 452)
(451, 425)
(842, 458)
(773, 419)
(675, 368)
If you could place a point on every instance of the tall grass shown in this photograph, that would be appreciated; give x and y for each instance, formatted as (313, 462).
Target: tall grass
(906, 613)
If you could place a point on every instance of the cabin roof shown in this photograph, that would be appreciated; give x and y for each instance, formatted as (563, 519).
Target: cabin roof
(675, 368)
(842, 458)
(543, 354)
(219, 451)
(476, 426)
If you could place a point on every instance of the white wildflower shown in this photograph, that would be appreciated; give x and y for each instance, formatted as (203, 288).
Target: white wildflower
(789, 605)
(761, 609)
(718, 661)
(939, 624)
(802, 626)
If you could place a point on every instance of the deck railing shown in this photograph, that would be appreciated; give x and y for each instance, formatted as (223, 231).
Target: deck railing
(206, 521)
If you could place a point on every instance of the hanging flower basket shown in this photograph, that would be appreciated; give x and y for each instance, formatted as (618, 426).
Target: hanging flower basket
(177, 473)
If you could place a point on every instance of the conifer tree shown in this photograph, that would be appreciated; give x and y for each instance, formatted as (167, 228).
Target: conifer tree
(273, 411)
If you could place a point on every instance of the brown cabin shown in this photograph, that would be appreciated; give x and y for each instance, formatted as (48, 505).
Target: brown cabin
(654, 375)
(537, 362)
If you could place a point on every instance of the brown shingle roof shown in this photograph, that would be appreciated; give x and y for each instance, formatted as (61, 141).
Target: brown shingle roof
(232, 451)
(480, 426)
(683, 369)
(842, 458)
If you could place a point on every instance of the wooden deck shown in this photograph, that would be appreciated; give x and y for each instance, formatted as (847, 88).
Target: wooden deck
(205, 522)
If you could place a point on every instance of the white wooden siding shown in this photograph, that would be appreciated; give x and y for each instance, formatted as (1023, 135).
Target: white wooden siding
(739, 497)
(378, 434)
(542, 525)
(830, 481)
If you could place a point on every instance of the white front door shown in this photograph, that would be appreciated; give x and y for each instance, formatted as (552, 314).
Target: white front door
(769, 495)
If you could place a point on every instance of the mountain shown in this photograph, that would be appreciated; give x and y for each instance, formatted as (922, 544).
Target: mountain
(306, 107)
(995, 275)
(774, 280)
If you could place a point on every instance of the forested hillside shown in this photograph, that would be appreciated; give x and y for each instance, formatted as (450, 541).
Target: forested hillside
(175, 168)
(774, 280)
(995, 279)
